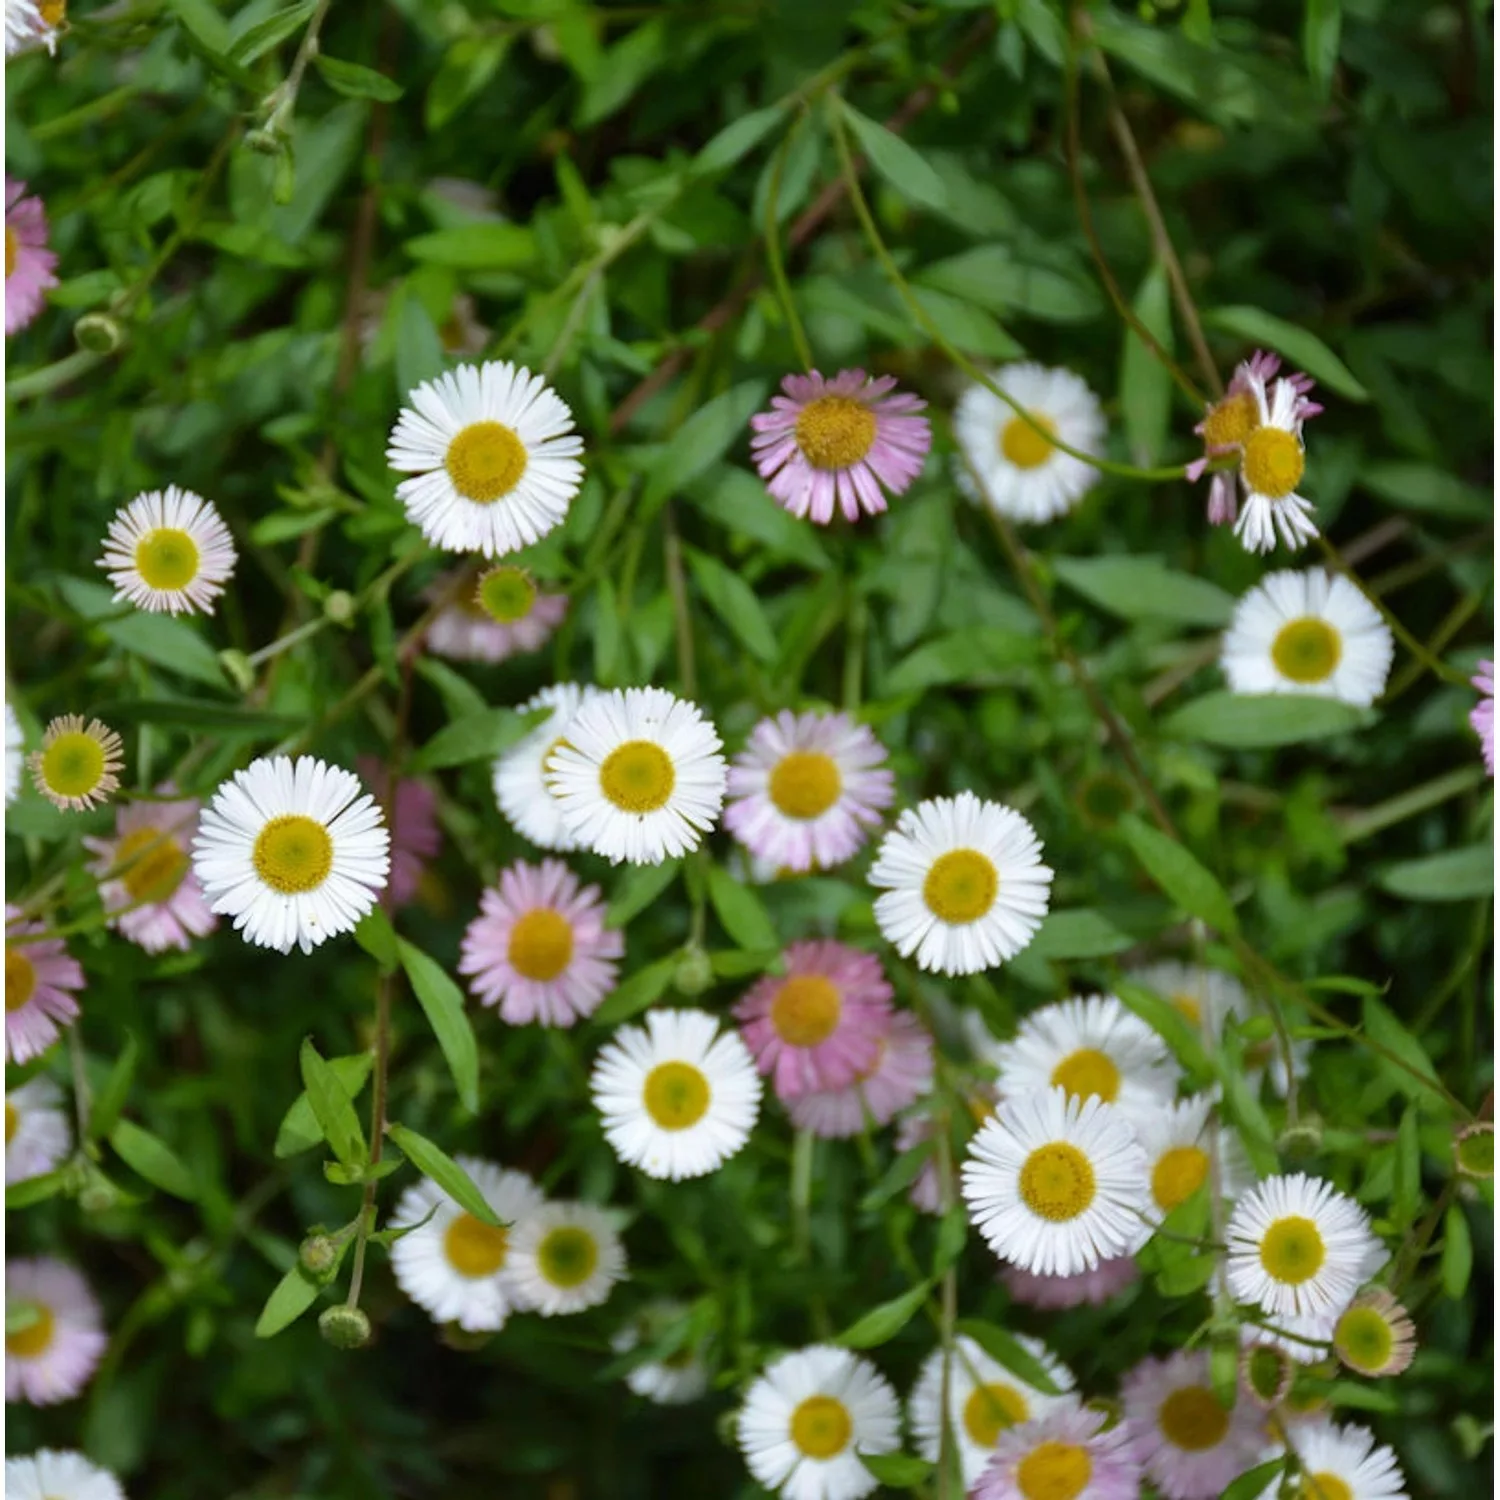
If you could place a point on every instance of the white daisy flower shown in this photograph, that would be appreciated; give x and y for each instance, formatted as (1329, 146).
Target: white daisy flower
(453, 1265)
(50, 1475)
(495, 456)
(15, 759)
(679, 1097)
(681, 1376)
(984, 1398)
(169, 550)
(808, 1417)
(1019, 473)
(1272, 463)
(32, 23)
(564, 1257)
(1296, 1245)
(1056, 1185)
(38, 1136)
(1309, 633)
(295, 851)
(965, 885)
(639, 776)
(1185, 1148)
(519, 780)
(1341, 1463)
(75, 767)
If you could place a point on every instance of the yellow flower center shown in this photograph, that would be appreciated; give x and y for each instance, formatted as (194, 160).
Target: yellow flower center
(1324, 1486)
(676, 1095)
(1023, 445)
(541, 944)
(806, 1010)
(1054, 1471)
(1187, 1007)
(485, 462)
(961, 886)
(638, 776)
(992, 1408)
(1364, 1340)
(506, 594)
(1307, 650)
(1292, 1250)
(821, 1426)
(73, 764)
(805, 784)
(474, 1248)
(151, 865)
(1228, 424)
(1087, 1073)
(1193, 1419)
(12, 248)
(20, 979)
(1057, 1182)
(12, 1122)
(293, 854)
(166, 558)
(835, 431)
(34, 1339)
(1177, 1175)
(1272, 462)
(53, 11)
(567, 1256)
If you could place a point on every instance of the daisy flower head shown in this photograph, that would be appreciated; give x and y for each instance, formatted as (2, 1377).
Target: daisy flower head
(1481, 717)
(40, 982)
(169, 550)
(1297, 1246)
(679, 1097)
(491, 616)
(295, 851)
(1082, 1289)
(806, 790)
(75, 768)
(845, 441)
(452, 1264)
(1341, 1463)
(38, 1136)
(1266, 1371)
(50, 1475)
(145, 876)
(30, 267)
(639, 776)
(900, 1075)
(564, 1258)
(15, 757)
(1056, 1184)
(984, 1399)
(495, 457)
(54, 1332)
(964, 884)
(1311, 633)
(818, 1027)
(1374, 1336)
(675, 1380)
(1272, 465)
(539, 948)
(1064, 1454)
(1185, 1149)
(519, 774)
(412, 813)
(809, 1415)
(1006, 463)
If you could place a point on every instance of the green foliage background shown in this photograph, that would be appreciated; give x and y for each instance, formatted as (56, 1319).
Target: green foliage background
(1323, 172)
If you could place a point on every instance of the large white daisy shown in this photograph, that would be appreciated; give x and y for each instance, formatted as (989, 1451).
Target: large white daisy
(1272, 463)
(564, 1257)
(495, 456)
(15, 743)
(520, 783)
(1341, 1463)
(965, 887)
(169, 550)
(295, 851)
(1185, 1148)
(50, 1475)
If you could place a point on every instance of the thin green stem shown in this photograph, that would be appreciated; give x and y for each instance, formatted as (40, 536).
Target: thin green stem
(682, 617)
(1383, 815)
(773, 254)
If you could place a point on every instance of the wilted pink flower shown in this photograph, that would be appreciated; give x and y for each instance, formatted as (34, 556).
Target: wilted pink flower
(1483, 717)
(38, 977)
(464, 630)
(1087, 1288)
(899, 1076)
(1065, 1451)
(29, 264)
(415, 836)
(51, 1358)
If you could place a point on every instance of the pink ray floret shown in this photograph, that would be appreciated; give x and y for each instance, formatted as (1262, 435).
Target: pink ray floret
(412, 816)
(1483, 717)
(29, 265)
(40, 978)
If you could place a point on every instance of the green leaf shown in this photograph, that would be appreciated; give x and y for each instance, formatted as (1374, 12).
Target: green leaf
(265, 35)
(111, 1098)
(282, 525)
(432, 1161)
(1145, 382)
(1458, 1253)
(901, 1471)
(1180, 875)
(332, 1107)
(639, 888)
(885, 1321)
(378, 938)
(1407, 1190)
(737, 139)
(294, 1294)
(990, 277)
(1455, 875)
(1321, 23)
(738, 501)
(467, 66)
(1078, 934)
(1142, 588)
(1382, 1027)
(1261, 721)
(299, 1130)
(1293, 342)
(163, 639)
(702, 440)
(486, 246)
(734, 601)
(223, 719)
(898, 1176)
(644, 988)
(153, 1159)
(480, 736)
(443, 1002)
(1007, 1350)
(1170, 1024)
(982, 657)
(741, 911)
(897, 162)
(1425, 488)
(37, 1189)
(419, 349)
(357, 81)
(1254, 1482)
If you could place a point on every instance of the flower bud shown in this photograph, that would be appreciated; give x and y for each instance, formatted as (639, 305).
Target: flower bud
(1302, 1140)
(1474, 1150)
(237, 668)
(319, 1254)
(98, 333)
(267, 142)
(339, 606)
(344, 1327)
(694, 972)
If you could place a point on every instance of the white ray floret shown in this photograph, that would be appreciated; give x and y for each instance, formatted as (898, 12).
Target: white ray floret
(564, 1258)
(519, 777)
(169, 550)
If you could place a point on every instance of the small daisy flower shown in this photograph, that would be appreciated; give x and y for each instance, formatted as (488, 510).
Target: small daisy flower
(1265, 1370)
(965, 887)
(40, 980)
(639, 776)
(452, 1265)
(1062, 1455)
(1483, 717)
(899, 1076)
(1055, 1184)
(809, 1415)
(679, 1097)
(1185, 1148)
(1092, 1048)
(1374, 1336)
(15, 759)
(1341, 1463)
(493, 616)
(50, 1475)
(1083, 1289)
(564, 1258)
(296, 851)
(75, 768)
(818, 1027)
(53, 1356)
(169, 550)
(844, 440)
(495, 456)
(416, 838)
(519, 775)
(30, 267)
(806, 790)
(1474, 1150)
(674, 1381)
(145, 877)
(1309, 633)
(984, 1398)
(1007, 464)
(1298, 1246)
(539, 948)
(38, 1136)
(1272, 463)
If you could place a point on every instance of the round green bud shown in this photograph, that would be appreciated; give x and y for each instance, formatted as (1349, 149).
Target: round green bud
(319, 1254)
(339, 606)
(1301, 1140)
(344, 1327)
(1474, 1150)
(694, 972)
(98, 333)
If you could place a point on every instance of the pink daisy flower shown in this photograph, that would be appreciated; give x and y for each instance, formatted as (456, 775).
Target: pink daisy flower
(464, 630)
(145, 874)
(1086, 1289)
(926, 1190)
(1063, 1452)
(38, 976)
(806, 789)
(539, 947)
(51, 1358)
(412, 816)
(817, 1028)
(29, 264)
(899, 1076)
(839, 440)
(1482, 718)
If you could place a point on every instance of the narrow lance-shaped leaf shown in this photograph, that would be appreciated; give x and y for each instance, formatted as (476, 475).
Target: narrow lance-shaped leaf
(443, 1003)
(1180, 875)
(885, 1321)
(153, 1159)
(432, 1161)
(332, 1107)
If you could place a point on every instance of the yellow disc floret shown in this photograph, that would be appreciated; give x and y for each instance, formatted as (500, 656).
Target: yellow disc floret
(834, 432)
(485, 462)
(293, 854)
(1057, 1182)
